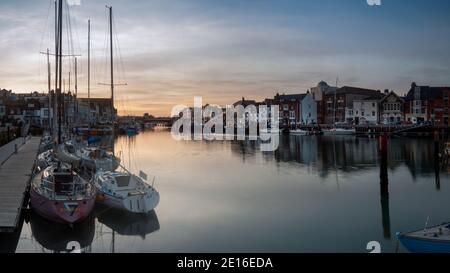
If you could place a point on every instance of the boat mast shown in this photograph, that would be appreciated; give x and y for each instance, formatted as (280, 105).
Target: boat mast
(112, 62)
(49, 89)
(55, 103)
(59, 58)
(89, 74)
(76, 89)
(334, 107)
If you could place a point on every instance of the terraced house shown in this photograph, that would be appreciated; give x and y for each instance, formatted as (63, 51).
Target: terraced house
(426, 104)
(339, 105)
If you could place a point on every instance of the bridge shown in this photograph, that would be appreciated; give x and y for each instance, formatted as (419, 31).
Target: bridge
(161, 121)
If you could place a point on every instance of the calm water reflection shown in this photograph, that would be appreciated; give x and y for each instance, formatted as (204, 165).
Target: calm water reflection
(315, 194)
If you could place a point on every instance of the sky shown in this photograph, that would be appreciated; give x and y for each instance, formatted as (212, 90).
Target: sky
(222, 50)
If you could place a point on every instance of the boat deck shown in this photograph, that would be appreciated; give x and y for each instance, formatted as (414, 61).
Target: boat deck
(15, 174)
(441, 233)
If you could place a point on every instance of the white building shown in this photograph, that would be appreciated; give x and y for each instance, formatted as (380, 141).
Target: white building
(308, 109)
(365, 111)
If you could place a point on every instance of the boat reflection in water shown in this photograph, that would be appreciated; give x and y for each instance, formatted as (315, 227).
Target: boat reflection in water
(62, 238)
(128, 224)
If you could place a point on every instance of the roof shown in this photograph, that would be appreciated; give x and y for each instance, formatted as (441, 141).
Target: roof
(392, 93)
(357, 91)
(291, 97)
(245, 102)
(426, 92)
(322, 84)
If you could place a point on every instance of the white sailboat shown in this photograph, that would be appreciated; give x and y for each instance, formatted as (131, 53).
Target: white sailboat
(125, 191)
(45, 159)
(97, 159)
(121, 189)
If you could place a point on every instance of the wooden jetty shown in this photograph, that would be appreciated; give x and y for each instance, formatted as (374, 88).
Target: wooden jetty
(15, 175)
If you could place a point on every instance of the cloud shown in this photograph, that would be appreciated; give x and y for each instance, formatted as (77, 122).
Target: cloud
(223, 50)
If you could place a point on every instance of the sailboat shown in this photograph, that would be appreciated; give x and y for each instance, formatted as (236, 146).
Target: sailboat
(335, 130)
(96, 159)
(124, 190)
(429, 240)
(58, 193)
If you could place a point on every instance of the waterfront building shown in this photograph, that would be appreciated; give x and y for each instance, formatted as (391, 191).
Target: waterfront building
(2, 110)
(339, 104)
(308, 109)
(244, 103)
(425, 103)
(290, 112)
(391, 109)
(446, 103)
(318, 92)
(364, 111)
(99, 110)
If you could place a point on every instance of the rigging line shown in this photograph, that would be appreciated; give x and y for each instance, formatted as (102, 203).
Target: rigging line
(69, 36)
(121, 67)
(44, 31)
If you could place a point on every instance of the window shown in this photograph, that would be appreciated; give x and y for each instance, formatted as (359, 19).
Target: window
(373, 104)
(373, 113)
(362, 113)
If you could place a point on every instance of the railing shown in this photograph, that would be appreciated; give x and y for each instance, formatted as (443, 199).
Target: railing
(7, 150)
(74, 189)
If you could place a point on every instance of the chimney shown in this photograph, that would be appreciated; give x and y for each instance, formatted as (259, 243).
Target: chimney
(386, 91)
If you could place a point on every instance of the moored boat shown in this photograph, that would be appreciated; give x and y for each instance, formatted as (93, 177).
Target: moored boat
(45, 159)
(429, 240)
(299, 132)
(339, 131)
(125, 191)
(66, 152)
(59, 194)
(97, 159)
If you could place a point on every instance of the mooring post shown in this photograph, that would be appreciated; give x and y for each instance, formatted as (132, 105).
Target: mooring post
(437, 159)
(384, 185)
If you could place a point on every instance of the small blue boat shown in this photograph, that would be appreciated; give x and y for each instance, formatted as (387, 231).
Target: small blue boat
(429, 240)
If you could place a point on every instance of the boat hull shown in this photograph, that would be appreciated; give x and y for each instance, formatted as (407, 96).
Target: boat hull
(339, 133)
(61, 211)
(139, 204)
(299, 133)
(416, 245)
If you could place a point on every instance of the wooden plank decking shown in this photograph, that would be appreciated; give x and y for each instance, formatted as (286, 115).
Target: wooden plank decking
(15, 176)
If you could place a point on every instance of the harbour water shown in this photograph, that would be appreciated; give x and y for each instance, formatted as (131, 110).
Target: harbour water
(315, 194)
